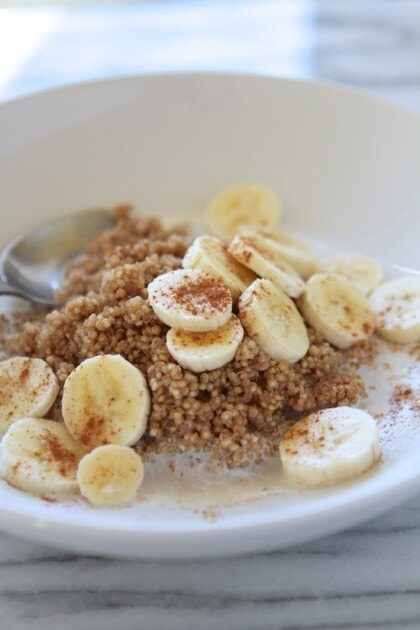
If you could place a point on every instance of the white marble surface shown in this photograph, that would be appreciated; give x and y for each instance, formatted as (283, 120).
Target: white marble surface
(368, 577)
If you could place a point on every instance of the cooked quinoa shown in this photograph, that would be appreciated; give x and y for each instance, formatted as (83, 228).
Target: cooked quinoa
(237, 412)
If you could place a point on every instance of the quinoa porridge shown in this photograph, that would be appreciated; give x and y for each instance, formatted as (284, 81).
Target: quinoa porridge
(236, 413)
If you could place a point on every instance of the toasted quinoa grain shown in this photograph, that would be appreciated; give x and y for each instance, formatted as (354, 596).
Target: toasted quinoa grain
(237, 412)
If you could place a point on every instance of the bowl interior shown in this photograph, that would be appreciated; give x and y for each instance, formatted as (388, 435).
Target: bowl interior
(345, 165)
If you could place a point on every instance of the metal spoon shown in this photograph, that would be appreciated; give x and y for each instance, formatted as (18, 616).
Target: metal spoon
(32, 266)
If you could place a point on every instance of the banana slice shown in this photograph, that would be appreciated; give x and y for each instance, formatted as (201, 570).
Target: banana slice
(41, 457)
(363, 272)
(106, 401)
(335, 308)
(28, 387)
(204, 351)
(244, 204)
(209, 254)
(250, 250)
(271, 318)
(396, 305)
(299, 255)
(110, 475)
(330, 446)
(190, 299)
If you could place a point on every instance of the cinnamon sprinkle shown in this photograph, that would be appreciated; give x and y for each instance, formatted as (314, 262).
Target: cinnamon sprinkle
(202, 293)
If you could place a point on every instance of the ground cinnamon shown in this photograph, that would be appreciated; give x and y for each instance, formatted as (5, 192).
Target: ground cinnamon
(202, 293)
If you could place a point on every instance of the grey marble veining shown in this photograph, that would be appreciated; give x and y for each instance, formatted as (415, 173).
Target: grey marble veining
(369, 44)
(367, 577)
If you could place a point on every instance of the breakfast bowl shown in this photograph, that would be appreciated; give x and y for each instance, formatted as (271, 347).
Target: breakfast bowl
(345, 167)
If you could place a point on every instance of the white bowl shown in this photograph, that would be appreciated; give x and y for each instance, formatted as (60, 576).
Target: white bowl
(346, 166)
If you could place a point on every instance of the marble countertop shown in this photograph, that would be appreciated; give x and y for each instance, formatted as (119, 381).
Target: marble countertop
(367, 577)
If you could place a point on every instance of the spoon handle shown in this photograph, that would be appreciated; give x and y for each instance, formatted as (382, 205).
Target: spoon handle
(7, 289)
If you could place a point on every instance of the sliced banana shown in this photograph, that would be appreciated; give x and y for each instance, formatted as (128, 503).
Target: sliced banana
(330, 446)
(209, 254)
(28, 388)
(336, 309)
(271, 318)
(396, 305)
(190, 299)
(244, 204)
(204, 351)
(250, 250)
(110, 475)
(297, 254)
(40, 457)
(106, 401)
(363, 272)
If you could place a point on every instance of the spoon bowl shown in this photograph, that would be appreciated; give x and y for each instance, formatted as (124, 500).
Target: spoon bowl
(32, 266)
